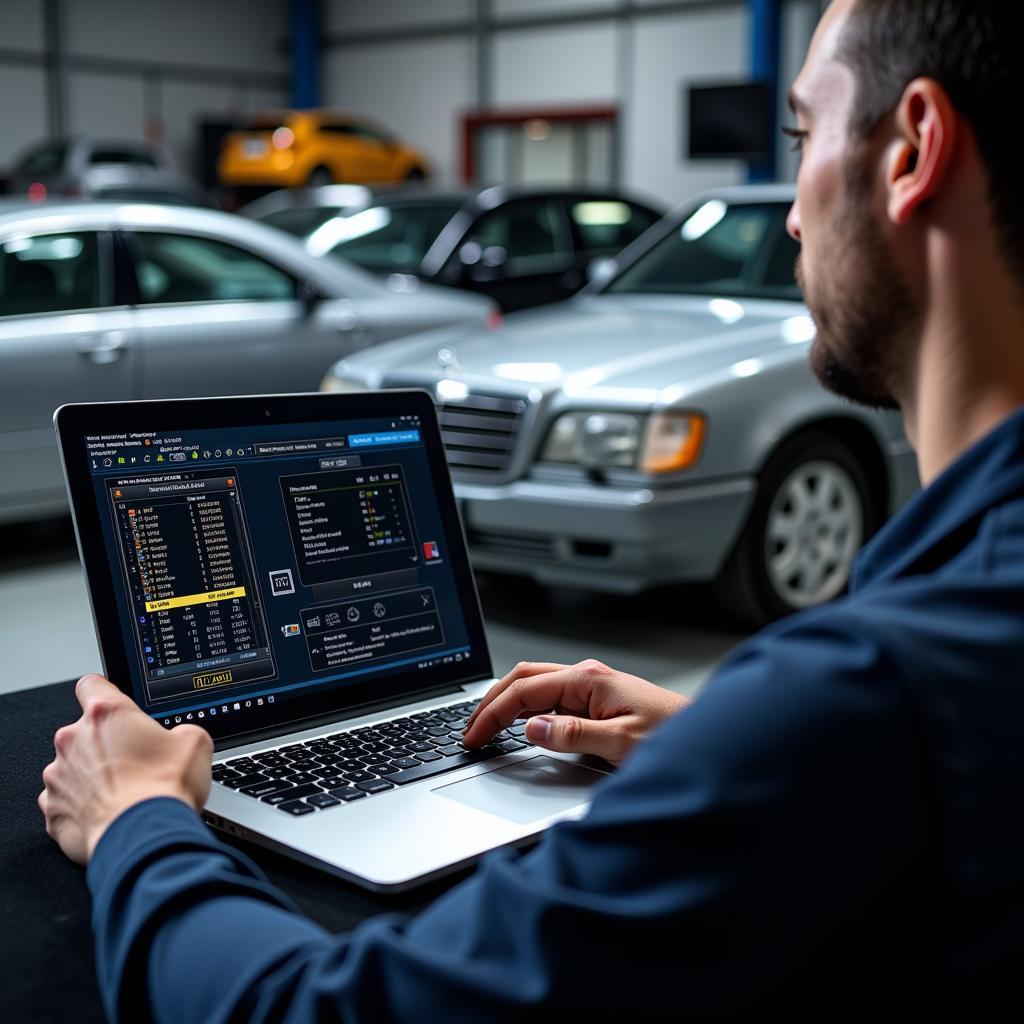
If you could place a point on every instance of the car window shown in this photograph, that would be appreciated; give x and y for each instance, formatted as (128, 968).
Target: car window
(186, 268)
(605, 226)
(135, 157)
(337, 128)
(52, 273)
(736, 251)
(48, 159)
(527, 235)
(300, 220)
(780, 262)
(388, 239)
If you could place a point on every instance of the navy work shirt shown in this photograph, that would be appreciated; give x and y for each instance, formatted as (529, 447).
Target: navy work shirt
(833, 831)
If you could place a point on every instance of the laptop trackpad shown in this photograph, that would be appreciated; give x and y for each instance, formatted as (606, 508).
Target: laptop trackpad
(527, 790)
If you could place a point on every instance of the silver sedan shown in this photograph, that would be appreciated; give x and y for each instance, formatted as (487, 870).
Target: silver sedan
(102, 302)
(663, 426)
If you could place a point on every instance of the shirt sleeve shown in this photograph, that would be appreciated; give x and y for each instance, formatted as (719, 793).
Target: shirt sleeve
(740, 858)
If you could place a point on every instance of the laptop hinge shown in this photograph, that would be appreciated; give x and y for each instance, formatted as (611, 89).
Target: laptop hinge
(334, 717)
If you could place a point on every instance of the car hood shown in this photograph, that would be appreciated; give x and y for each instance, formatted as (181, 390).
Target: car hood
(620, 342)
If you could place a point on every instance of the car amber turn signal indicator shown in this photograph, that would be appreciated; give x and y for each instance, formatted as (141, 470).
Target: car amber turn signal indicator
(673, 441)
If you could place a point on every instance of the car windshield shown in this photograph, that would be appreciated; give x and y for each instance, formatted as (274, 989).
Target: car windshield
(734, 251)
(300, 220)
(265, 123)
(385, 239)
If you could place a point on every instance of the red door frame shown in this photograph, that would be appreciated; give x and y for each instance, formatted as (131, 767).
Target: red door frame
(472, 123)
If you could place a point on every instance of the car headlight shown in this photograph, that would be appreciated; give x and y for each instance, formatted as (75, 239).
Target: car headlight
(661, 443)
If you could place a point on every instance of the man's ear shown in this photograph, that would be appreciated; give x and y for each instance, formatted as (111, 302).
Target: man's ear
(919, 162)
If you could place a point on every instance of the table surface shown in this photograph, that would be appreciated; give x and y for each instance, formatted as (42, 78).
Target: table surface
(46, 951)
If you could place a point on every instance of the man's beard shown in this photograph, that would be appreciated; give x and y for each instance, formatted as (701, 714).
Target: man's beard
(862, 307)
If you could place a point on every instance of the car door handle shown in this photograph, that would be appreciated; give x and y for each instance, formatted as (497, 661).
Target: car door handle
(105, 347)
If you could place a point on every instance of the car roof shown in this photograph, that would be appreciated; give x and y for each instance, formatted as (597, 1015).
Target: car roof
(269, 242)
(772, 193)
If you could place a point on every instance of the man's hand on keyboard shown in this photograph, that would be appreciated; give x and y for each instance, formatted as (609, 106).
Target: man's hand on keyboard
(597, 710)
(115, 756)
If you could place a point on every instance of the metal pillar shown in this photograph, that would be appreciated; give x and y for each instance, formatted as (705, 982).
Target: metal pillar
(305, 53)
(765, 66)
(56, 69)
(483, 36)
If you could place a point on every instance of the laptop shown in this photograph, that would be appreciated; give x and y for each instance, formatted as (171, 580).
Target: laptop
(290, 573)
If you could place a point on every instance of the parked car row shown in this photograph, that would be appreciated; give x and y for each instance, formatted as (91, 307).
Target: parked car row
(661, 426)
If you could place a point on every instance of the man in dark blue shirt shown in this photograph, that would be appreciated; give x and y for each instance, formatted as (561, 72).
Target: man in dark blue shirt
(835, 828)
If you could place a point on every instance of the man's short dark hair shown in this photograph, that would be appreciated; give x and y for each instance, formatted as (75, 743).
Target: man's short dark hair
(972, 48)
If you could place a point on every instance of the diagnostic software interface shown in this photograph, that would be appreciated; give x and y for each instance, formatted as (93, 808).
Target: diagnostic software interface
(253, 563)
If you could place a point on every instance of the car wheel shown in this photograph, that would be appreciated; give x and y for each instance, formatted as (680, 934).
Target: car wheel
(814, 509)
(320, 176)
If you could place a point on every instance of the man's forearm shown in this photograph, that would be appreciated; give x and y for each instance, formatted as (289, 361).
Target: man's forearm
(184, 924)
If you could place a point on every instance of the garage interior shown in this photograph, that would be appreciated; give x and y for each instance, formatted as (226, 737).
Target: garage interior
(392, 391)
(514, 91)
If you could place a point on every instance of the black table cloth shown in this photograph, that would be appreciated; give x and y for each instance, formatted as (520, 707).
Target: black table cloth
(46, 950)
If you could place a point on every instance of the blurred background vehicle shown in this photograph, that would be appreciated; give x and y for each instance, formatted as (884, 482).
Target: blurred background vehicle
(300, 211)
(104, 302)
(520, 246)
(664, 426)
(111, 169)
(290, 148)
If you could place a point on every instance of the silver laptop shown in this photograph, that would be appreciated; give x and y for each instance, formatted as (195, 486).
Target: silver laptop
(290, 573)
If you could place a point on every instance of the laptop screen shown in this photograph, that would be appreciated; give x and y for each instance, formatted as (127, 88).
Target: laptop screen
(253, 565)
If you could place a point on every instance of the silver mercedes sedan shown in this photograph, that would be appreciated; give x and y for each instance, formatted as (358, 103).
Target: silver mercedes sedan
(103, 301)
(662, 426)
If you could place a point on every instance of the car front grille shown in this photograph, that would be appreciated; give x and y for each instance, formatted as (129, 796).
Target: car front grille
(479, 431)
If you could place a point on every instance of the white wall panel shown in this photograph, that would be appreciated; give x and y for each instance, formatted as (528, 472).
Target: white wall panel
(110, 106)
(21, 24)
(232, 34)
(417, 89)
(183, 105)
(555, 66)
(22, 110)
(356, 15)
(670, 52)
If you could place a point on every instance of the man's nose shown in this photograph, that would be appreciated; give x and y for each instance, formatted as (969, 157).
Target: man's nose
(793, 222)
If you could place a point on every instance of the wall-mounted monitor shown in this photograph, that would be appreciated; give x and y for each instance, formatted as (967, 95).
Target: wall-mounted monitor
(734, 122)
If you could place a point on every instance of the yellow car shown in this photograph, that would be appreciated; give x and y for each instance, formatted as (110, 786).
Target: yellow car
(287, 149)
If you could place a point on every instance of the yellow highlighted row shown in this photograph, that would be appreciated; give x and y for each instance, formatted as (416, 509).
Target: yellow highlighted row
(180, 602)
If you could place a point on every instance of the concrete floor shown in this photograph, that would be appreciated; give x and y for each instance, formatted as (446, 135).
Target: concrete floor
(670, 636)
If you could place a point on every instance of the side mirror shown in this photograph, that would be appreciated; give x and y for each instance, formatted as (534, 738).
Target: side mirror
(309, 296)
(601, 269)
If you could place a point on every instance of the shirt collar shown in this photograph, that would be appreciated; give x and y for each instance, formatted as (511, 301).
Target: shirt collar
(921, 535)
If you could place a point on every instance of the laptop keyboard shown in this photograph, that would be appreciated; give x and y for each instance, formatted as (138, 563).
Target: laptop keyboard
(302, 778)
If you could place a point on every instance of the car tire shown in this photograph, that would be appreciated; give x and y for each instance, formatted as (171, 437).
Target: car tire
(814, 509)
(320, 176)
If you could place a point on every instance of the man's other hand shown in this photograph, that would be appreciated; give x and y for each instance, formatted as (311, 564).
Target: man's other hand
(115, 756)
(596, 710)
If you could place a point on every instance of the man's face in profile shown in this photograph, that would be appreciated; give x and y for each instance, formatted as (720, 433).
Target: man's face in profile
(852, 282)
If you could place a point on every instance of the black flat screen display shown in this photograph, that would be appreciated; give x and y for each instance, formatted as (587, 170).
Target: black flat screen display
(731, 122)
